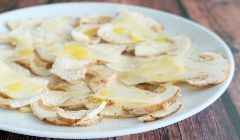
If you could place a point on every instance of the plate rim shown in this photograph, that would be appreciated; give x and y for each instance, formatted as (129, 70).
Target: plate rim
(133, 130)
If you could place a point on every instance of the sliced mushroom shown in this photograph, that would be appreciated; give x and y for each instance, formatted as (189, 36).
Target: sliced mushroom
(86, 33)
(55, 97)
(18, 103)
(111, 111)
(78, 95)
(70, 70)
(167, 97)
(160, 114)
(203, 69)
(20, 89)
(28, 24)
(129, 27)
(58, 116)
(136, 101)
(18, 67)
(96, 19)
(207, 69)
(170, 46)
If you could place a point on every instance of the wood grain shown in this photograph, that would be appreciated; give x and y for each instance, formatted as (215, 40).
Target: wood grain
(14, 4)
(214, 123)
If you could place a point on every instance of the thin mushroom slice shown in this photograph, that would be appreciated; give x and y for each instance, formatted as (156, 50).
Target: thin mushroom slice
(18, 67)
(111, 111)
(86, 33)
(78, 95)
(92, 117)
(71, 116)
(21, 89)
(95, 111)
(47, 113)
(32, 61)
(200, 70)
(48, 53)
(39, 66)
(70, 70)
(206, 69)
(98, 76)
(134, 100)
(58, 116)
(160, 114)
(129, 27)
(18, 103)
(17, 31)
(56, 83)
(163, 46)
(28, 24)
(167, 98)
(55, 97)
(26, 101)
(94, 20)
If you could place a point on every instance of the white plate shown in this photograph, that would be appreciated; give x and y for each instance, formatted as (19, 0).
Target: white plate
(193, 100)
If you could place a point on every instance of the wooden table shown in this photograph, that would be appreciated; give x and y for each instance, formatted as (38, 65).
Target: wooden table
(221, 120)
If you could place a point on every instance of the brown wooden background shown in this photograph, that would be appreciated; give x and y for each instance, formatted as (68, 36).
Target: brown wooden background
(221, 120)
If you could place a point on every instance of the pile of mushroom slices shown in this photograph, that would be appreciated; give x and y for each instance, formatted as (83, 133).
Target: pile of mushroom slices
(75, 71)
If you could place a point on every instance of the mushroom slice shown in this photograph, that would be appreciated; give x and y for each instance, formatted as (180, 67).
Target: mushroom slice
(70, 70)
(98, 76)
(206, 69)
(58, 26)
(108, 34)
(203, 69)
(18, 67)
(28, 24)
(20, 89)
(19, 103)
(86, 33)
(160, 114)
(55, 98)
(134, 100)
(71, 116)
(56, 83)
(59, 116)
(19, 34)
(91, 117)
(48, 53)
(129, 27)
(111, 111)
(78, 95)
(46, 113)
(32, 61)
(94, 19)
(163, 45)
(26, 101)
(167, 98)
(39, 66)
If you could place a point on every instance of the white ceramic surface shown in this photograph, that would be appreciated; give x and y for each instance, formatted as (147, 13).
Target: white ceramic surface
(193, 100)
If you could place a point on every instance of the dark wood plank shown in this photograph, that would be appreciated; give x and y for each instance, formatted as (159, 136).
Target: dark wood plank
(13, 4)
(212, 123)
(169, 5)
